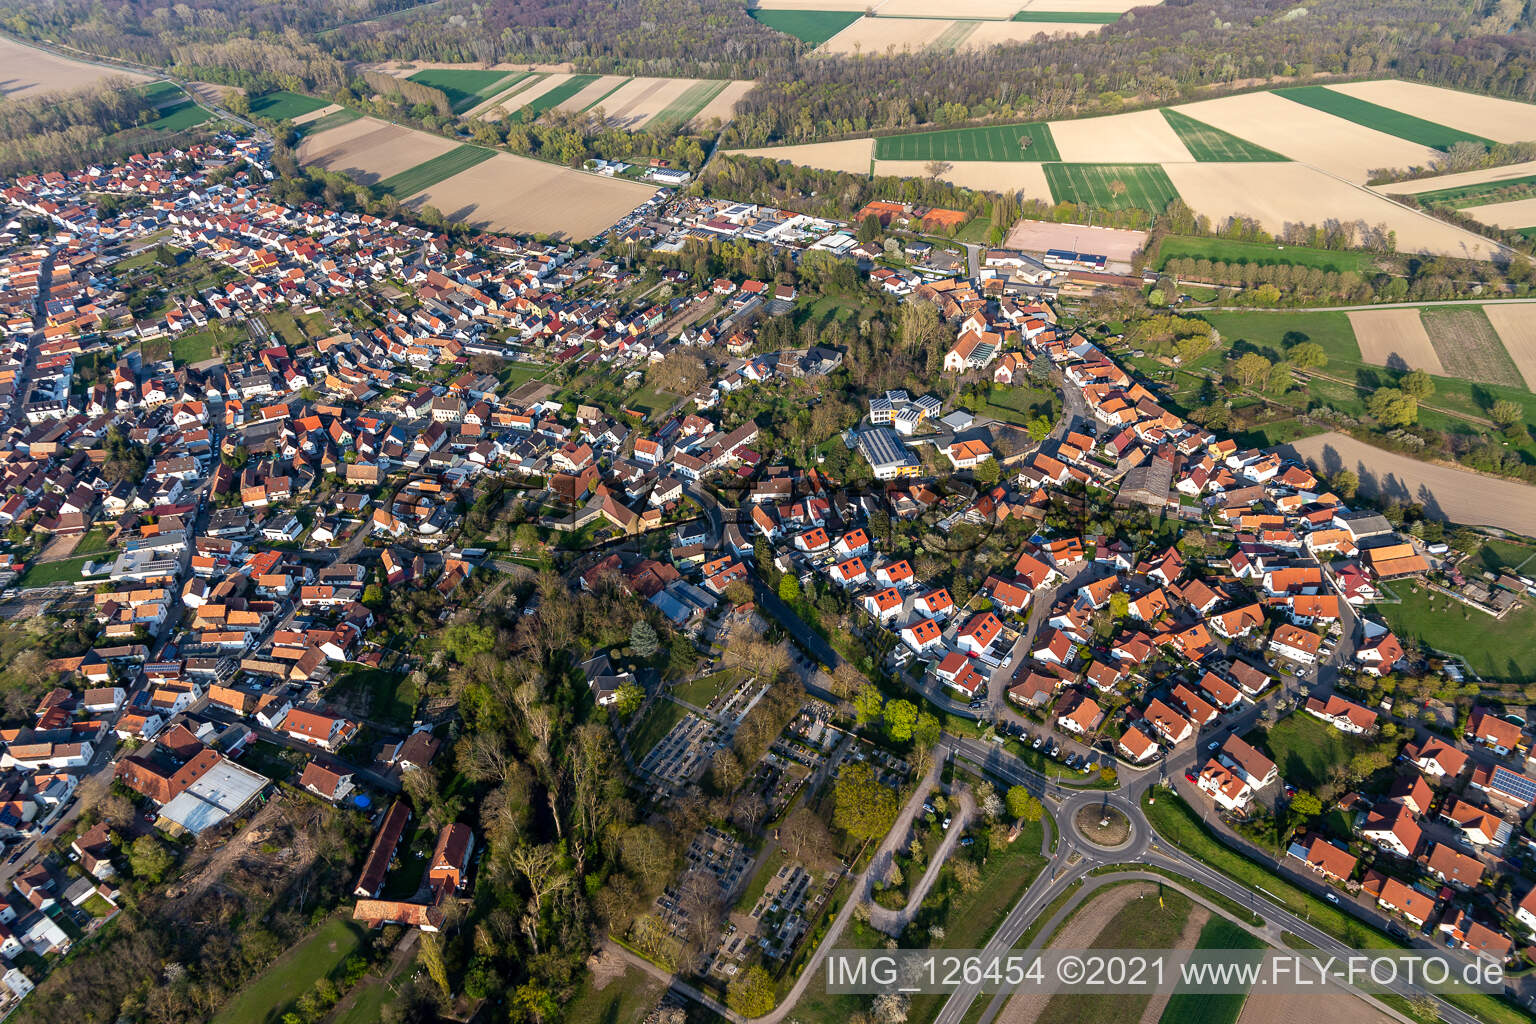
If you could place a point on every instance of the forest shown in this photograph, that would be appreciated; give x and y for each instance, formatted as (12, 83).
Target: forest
(100, 122)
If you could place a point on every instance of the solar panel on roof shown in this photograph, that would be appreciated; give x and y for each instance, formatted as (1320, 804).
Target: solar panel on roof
(1514, 784)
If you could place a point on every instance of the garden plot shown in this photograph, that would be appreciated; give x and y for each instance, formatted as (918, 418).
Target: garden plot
(31, 72)
(1488, 116)
(1277, 194)
(1516, 327)
(371, 150)
(1517, 213)
(1331, 143)
(1395, 338)
(851, 155)
(1142, 137)
(988, 175)
(519, 195)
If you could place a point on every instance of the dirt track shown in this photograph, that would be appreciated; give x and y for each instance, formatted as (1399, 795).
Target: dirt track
(1458, 495)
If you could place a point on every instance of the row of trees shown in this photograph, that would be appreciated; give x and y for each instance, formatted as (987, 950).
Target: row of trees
(408, 91)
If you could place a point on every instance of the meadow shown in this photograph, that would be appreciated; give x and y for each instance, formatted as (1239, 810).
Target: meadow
(1224, 250)
(464, 87)
(283, 105)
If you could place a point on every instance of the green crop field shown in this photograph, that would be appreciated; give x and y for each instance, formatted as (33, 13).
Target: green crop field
(430, 172)
(1187, 1007)
(281, 105)
(1077, 17)
(464, 87)
(1464, 339)
(1481, 194)
(992, 142)
(814, 27)
(161, 92)
(180, 116)
(682, 110)
(556, 96)
(1222, 250)
(1208, 144)
(1383, 119)
(1113, 186)
(335, 119)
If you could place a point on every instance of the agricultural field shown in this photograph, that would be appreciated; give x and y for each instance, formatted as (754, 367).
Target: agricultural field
(371, 150)
(1460, 197)
(1223, 250)
(1137, 138)
(1333, 144)
(525, 196)
(1447, 182)
(942, 34)
(659, 104)
(1458, 495)
(992, 176)
(1087, 17)
(552, 97)
(851, 155)
(593, 95)
(1516, 213)
(1338, 1007)
(1395, 338)
(285, 106)
(1277, 194)
(327, 121)
(464, 87)
(1189, 1008)
(1115, 186)
(33, 72)
(1001, 142)
(1212, 145)
(1515, 325)
(1382, 119)
(1464, 339)
(1485, 117)
(814, 27)
(162, 93)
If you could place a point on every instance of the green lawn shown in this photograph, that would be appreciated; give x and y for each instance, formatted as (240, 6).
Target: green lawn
(1207, 143)
(264, 1000)
(1304, 748)
(464, 87)
(1079, 17)
(973, 917)
(682, 110)
(368, 1008)
(704, 689)
(515, 375)
(283, 105)
(391, 696)
(1223, 250)
(1112, 186)
(758, 883)
(65, 570)
(93, 542)
(160, 92)
(1383, 119)
(180, 116)
(1189, 1008)
(814, 27)
(625, 999)
(986, 142)
(556, 96)
(271, 760)
(428, 173)
(195, 346)
(335, 119)
(1498, 650)
(659, 720)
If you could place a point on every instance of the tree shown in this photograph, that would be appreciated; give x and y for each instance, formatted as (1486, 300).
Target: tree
(430, 947)
(1022, 806)
(149, 858)
(1393, 408)
(870, 228)
(900, 720)
(987, 473)
(789, 588)
(1119, 604)
(237, 102)
(465, 640)
(1506, 413)
(868, 705)
(1308, 355)
(628, 698)
(643, 640)
(1346, 482)
(1418, 384)
(807, 837)
(751, 995)
(1306, 804)
(926, 733)
(863, 806)
(1250, 368)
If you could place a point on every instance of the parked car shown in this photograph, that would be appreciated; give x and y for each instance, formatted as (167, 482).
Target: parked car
(1189, 776)
(946, 823)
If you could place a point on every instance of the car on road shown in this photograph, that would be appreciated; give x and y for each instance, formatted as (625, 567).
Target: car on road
(947, 823)
(1331, 897)
(1213, 744)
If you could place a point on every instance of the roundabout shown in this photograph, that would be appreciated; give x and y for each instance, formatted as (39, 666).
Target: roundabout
(1103, 825)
